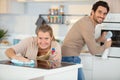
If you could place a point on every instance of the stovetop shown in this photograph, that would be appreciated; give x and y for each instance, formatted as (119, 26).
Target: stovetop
(37, 64)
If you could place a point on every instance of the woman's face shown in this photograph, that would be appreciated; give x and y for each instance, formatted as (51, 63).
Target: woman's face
(44, 40)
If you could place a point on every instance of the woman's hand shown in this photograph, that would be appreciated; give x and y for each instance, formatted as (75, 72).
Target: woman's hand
(55, 57)
(21, 58)
(10, 52)
(55, 60)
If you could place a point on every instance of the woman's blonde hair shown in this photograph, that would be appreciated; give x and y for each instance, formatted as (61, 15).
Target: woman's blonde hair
(45, 28)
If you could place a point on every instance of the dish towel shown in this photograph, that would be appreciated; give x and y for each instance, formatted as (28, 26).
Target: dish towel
(31, 63)
(106, 52)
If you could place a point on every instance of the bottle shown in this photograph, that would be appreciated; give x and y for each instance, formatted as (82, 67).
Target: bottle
(48, 18)
(61, 12)
(53, 51)
(56, 11)
(52, 65)
(61, 9)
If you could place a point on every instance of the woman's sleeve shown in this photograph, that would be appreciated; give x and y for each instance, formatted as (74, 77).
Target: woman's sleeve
(58, 50)
(22, 46)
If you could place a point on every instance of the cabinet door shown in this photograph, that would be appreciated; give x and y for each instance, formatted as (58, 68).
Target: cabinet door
(87, 61)
(3, 6)
(51, 0)
(11, 6)
(108, 69)
(114, 5)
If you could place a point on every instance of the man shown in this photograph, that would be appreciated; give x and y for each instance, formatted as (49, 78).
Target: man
(82, 33)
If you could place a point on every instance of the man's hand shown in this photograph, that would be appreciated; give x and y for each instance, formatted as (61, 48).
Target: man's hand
(102, 38)
(108, 43)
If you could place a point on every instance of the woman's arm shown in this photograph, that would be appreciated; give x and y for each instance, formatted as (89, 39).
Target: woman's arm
(12, 55)
(56, 56)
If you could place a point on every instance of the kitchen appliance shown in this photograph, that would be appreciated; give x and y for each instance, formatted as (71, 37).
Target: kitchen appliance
(115, 47)
(114, 27)
(111, 23)
(115, 37)
(110, 64)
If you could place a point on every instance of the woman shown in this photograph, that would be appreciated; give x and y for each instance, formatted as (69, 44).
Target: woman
(37, 48)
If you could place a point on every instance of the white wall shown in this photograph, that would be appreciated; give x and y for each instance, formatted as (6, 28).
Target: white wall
(24, 24)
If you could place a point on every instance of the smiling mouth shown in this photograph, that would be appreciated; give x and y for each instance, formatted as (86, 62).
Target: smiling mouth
(100, 19)
(43, 45)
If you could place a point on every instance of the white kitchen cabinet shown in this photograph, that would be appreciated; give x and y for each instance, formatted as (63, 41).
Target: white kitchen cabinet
(96, 68)
(11, 6)
(87, 61)
(2, 53)
(108, 69)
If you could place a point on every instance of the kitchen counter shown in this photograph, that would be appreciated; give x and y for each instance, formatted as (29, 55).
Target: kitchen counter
(10, 72)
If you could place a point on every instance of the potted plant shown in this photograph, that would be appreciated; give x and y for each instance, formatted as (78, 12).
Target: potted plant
(3, 33)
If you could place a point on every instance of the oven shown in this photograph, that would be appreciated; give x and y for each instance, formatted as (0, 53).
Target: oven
(115, 38)
(115, 47)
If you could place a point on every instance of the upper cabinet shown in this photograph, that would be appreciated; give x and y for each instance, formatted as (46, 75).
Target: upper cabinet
(11, 6)
(114, 6)
(50, 0)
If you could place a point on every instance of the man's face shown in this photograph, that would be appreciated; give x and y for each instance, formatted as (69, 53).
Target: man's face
(99, 15)
(44, 40)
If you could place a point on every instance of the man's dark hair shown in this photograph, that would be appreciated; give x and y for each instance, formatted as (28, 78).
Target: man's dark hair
(100, 3)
